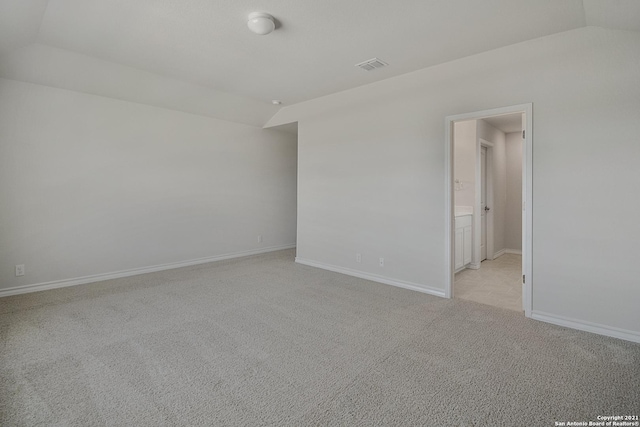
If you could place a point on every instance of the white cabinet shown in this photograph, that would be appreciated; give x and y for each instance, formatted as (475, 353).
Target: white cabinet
(463, 241)
(458, 246)
(466, 253)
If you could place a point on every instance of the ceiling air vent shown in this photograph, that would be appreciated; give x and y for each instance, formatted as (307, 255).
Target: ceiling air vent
(372, 64)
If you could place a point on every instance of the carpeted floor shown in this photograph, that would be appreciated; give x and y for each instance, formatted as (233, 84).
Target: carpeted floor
(264, 341)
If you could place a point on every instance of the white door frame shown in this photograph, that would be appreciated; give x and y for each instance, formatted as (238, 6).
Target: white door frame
(527, 197)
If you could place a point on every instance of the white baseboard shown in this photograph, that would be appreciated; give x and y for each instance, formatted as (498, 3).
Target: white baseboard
(499, 253)
(596, 328)
(373, 277)
(474, 265)
(506, 251)
(132, 272)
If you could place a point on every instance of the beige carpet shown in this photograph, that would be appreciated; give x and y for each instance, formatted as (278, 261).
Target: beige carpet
(263, 341)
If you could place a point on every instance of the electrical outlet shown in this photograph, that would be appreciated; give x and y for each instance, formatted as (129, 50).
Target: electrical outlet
(358, 257)
(381, 262)
(19, 270)
(259, 238)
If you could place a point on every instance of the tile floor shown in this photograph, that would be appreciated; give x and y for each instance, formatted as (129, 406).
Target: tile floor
(498, 282)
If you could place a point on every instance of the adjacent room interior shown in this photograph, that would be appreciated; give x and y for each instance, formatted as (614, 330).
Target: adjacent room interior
(487, 179)
(319, 212)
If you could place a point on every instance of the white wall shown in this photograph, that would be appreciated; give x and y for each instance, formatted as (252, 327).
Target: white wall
(496, 136)
(513, 211)
(93, 185)
(464, 168)
(371, 170)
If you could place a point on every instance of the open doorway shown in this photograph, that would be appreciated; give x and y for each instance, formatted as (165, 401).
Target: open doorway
(488, 176)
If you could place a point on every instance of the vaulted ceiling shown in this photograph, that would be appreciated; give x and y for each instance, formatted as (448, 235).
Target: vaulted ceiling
(198, 55)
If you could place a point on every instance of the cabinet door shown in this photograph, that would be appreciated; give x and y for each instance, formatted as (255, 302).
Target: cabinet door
(467, 238)
(459, 248)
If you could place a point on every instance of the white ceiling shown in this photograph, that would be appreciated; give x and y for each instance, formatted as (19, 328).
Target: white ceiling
(314, 51)
(205, 43)
(507, 123)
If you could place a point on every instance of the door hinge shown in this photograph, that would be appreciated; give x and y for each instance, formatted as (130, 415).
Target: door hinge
(523, 279)
(522, 134)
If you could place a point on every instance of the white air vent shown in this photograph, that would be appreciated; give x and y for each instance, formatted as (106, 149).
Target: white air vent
(372, 64)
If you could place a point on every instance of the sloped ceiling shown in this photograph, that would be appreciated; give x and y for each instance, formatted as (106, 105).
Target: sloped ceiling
(19, 22)
(198, 56)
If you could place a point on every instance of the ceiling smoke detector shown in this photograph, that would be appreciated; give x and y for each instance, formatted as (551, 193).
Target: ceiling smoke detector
(261, 23)
(372, 64)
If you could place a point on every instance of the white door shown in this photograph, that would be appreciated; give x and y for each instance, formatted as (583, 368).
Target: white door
(483, 204)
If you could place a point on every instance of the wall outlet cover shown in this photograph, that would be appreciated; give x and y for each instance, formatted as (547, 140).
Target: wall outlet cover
(19, 270)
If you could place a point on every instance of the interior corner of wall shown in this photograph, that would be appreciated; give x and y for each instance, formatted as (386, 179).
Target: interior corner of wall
(279, 118)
